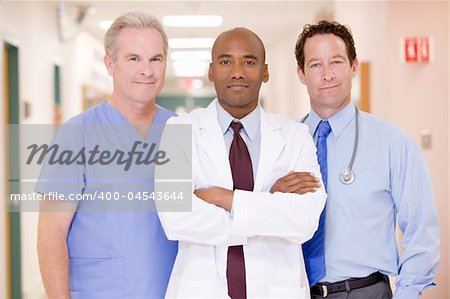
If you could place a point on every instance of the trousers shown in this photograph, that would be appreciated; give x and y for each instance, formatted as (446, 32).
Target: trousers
(379, 290)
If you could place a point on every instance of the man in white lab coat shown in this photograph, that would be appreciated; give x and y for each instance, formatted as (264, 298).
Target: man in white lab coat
(266, 225)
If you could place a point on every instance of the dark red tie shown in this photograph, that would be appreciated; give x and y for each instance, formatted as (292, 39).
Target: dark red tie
(242, 171)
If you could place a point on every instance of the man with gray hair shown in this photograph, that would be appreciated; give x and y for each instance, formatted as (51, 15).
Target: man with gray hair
(121, 253)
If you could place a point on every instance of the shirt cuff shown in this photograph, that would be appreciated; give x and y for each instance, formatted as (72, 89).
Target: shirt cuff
(232, 207)
(235, 204)
(238, 212)
(406, 293)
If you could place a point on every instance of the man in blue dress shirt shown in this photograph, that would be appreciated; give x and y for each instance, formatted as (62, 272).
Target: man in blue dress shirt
(93, 249)
(391, 182)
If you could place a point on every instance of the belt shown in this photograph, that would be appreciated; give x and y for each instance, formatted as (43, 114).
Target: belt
(324, 289)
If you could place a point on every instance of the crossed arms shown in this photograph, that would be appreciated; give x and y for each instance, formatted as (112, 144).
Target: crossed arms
(294, 182)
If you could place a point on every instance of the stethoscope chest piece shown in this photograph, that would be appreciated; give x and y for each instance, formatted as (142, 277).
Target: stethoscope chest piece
(347, 176)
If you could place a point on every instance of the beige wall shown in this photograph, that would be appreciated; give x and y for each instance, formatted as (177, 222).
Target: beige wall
(284, 92)
(409, 87)
(412, 96)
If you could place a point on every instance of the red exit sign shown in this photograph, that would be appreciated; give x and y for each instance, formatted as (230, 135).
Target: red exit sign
(416, 49)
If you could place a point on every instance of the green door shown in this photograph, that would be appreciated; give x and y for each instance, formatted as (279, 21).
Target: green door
(11, 54)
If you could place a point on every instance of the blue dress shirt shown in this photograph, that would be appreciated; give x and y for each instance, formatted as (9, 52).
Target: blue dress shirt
(251, 133)
(112, 253)
(391, 184)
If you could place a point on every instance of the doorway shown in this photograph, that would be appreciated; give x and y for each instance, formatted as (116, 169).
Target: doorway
(12, 116)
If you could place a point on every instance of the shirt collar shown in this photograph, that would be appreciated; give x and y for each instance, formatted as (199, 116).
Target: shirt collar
(120, 117)
(338, 121)
(250, 122)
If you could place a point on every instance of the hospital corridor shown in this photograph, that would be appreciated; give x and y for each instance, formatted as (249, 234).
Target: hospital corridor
(53, 67)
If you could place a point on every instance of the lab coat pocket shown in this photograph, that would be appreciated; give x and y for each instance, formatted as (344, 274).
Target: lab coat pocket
(103, 277)
(288, 292)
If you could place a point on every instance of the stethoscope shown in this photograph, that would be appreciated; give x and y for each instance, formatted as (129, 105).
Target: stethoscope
(347, 175)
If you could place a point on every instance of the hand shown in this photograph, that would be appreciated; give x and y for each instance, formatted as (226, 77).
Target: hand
(216, 195)
(296, 182)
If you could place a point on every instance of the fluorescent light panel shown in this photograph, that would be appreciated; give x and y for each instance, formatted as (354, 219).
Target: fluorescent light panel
(186, 43)
(104, 25)
(190, 68)
(190, 55)
(190, 64)
(190, 73)
(193, 21)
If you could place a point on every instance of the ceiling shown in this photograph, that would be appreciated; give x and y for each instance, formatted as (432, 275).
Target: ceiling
(269, 19)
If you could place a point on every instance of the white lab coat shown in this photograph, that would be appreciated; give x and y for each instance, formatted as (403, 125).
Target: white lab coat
(271, 227)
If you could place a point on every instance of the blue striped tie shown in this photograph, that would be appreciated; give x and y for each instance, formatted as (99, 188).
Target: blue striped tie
(314, 249)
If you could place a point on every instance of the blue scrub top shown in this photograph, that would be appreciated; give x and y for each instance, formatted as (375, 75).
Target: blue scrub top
(117, 250)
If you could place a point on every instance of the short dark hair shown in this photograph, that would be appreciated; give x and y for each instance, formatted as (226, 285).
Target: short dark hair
(324, 27)
(241, 29)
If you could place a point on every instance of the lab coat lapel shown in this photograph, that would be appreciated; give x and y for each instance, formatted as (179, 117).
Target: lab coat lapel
(213, 144)
(272, 144)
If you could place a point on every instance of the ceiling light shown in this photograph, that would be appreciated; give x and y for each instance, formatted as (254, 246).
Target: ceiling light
(104, 25)
(190, 72)
(184, 43)
(190, 68)
(192, 21)
(190, 55)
